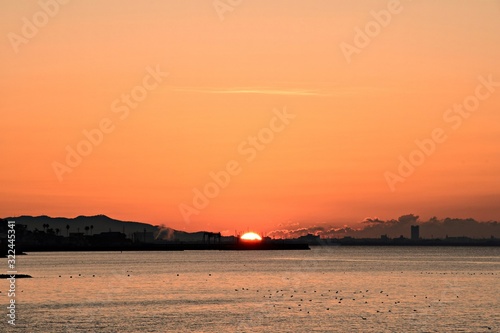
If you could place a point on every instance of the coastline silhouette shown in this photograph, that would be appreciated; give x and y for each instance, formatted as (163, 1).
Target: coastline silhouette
(86, 234)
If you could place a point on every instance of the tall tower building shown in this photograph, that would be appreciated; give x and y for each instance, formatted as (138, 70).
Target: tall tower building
(415, 232)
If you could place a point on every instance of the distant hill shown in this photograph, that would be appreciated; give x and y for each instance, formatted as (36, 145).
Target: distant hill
(101, 223)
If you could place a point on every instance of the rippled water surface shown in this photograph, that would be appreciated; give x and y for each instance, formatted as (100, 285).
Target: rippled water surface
(327, 289)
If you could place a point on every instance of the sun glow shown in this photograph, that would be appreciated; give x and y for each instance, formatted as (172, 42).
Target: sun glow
(251, 236)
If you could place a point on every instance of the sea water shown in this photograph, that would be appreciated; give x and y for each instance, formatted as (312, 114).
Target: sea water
(326, 289)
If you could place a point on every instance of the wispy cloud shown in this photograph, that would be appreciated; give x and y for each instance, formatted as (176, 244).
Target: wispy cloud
(252, 90)
(334, 89)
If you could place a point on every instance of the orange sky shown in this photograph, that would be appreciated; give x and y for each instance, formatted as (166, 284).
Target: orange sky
(354, 114)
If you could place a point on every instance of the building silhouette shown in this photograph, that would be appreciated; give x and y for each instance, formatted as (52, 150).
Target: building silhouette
(415, 232)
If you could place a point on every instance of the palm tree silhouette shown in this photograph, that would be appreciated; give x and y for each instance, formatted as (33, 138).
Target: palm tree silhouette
(87, 229)
(57, 231)
(91, 229)
(67, 229)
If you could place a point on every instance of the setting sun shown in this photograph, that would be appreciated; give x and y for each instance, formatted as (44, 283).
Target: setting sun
(251, 236)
